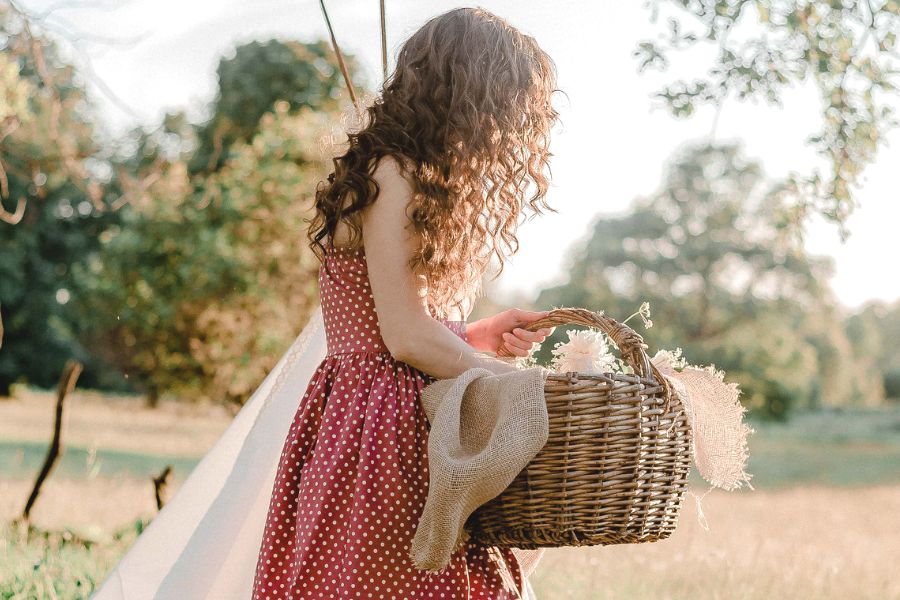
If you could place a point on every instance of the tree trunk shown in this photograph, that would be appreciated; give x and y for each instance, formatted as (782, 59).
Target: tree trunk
(160, 486)
(151, 400)
(66, 384)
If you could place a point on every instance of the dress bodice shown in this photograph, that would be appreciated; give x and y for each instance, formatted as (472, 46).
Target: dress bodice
(348, 309)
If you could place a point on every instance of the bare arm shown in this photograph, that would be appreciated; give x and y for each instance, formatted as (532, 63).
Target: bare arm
(411, 334)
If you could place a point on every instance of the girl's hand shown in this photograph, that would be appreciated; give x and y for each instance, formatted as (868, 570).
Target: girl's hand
(504, 330)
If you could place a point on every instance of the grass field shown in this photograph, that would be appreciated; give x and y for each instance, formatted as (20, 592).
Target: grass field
(823, 521)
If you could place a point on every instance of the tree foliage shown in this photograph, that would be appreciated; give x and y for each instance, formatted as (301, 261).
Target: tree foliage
(722, 284)
(177, 255)
(200, 293)
(209, 276)
(874, 331)
(305, 75)
(50, 220)
(846, 48)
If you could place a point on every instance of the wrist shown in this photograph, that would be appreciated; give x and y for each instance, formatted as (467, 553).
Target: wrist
(475, 335)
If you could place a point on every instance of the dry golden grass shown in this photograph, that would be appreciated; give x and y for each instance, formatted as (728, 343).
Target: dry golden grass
(793, 542)
(114, 422)
(797, 543)
(94, 506)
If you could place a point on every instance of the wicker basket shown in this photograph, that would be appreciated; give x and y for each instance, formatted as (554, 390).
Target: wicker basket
(609, 472)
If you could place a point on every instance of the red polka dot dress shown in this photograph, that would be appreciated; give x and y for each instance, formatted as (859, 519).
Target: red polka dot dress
(353, 474)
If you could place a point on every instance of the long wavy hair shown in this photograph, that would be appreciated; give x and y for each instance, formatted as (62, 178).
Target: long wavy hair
(467, 113)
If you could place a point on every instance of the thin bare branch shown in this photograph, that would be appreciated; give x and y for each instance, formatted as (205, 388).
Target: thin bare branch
(384, 55)
(15, 217)
(66, 384)
(4, 182)
(137, 188)
(161, 485)
(72, 162)
(340, 58)
(85, 64)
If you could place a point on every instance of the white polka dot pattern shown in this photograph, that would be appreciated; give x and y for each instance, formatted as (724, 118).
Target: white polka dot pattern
(353, 474)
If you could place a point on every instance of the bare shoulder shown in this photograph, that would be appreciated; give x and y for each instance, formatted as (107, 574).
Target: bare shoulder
(386, 221)
(391, 175)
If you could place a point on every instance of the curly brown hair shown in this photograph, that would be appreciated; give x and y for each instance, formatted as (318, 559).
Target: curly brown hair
(467, 113)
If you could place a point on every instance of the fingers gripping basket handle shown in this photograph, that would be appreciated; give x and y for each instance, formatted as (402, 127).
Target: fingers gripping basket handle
(630, 343)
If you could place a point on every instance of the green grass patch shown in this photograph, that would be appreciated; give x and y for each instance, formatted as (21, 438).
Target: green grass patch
(70, 564)
(24, 459)
(840, 447)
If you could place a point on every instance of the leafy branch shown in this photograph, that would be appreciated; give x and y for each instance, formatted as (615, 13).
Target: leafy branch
(846, 48)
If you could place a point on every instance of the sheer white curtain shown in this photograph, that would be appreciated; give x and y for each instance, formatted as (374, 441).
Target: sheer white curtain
(204, 542)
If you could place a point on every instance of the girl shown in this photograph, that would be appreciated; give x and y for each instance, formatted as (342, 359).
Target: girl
(454, 150)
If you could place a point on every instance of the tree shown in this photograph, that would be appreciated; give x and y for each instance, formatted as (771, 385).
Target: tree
(721, 282)
(305, 75)
(198, 292)
(199, 265)
(874, 331)
(847, 49)
(51, 221)
(209, 275)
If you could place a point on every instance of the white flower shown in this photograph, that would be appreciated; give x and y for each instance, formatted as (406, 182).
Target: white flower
(585, 352)
(644, 313)
(526, 362)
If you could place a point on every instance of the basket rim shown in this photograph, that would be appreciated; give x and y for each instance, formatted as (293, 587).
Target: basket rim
(630, 343)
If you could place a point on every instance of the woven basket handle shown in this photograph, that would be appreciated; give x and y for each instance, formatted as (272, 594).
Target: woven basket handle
(630, 343)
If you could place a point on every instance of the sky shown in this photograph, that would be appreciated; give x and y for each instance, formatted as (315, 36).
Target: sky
(612, 144)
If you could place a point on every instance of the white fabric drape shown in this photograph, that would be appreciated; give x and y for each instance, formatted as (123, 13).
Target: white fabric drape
(204, 543)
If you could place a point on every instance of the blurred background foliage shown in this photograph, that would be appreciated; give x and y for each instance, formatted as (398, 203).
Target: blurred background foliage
(189, 273)
(847, 49)
(726, 286)
(174, 261)
(52, 223)
(209, 285)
